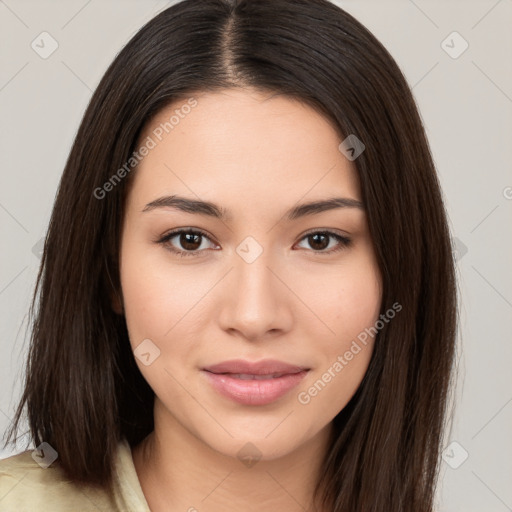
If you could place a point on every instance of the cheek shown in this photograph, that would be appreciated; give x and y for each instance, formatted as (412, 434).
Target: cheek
(358, 301)
(343, 359)
(156, 296)
(157, 308)
(163, 303)
(345, 299)
(350, 305)
(148, 310)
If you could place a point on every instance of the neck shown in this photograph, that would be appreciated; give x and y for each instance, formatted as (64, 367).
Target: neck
(179, 472)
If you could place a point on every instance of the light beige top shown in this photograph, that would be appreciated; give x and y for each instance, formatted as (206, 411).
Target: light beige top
(27, 487)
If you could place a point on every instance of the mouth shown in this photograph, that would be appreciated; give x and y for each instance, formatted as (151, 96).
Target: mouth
(258, 383)
(249, 376)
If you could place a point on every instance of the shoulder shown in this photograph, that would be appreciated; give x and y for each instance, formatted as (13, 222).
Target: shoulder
(27, 486)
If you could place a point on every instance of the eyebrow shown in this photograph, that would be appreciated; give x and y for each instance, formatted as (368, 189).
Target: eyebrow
(199, 207)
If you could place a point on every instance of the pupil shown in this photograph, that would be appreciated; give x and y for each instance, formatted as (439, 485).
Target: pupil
(190, 240)
(322, 245)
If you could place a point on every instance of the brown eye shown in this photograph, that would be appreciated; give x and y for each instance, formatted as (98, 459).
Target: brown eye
(319, 241)
(190, 241)
(184, 242)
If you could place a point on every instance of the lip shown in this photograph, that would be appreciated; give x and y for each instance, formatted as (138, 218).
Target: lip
(254, 383)
(264, 367)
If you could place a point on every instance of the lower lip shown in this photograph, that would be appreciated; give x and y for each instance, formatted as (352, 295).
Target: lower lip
(254, 392)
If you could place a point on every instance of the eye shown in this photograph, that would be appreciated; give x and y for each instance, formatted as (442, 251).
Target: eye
(319, 240)
(189, 239)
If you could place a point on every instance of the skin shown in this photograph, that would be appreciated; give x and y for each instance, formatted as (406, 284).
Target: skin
(257, 155)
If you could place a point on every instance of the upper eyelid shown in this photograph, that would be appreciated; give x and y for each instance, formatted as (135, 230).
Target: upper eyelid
(326, 230)
(329, 231)
(173, 233)
(199, 231)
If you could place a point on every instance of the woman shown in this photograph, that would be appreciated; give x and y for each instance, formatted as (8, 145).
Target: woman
(247, 296)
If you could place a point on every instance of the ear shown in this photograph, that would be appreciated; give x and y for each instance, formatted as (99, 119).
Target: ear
(117, 302)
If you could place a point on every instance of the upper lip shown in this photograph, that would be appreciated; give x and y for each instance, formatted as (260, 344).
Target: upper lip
(264, 367)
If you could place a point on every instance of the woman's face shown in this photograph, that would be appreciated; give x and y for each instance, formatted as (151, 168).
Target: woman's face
(256, 284)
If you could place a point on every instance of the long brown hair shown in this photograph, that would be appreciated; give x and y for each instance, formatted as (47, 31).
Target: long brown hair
(83, 391)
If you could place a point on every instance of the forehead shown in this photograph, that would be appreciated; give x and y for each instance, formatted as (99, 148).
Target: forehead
(245, 143)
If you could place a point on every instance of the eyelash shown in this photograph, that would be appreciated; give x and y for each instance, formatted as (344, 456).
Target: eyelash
(344, 242)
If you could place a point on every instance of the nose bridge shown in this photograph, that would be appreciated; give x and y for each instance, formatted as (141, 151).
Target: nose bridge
(254, 300)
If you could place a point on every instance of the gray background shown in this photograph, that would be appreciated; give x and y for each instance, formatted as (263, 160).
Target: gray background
(466, 104)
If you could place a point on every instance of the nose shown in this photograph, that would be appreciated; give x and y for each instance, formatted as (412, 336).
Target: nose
(257, 303)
